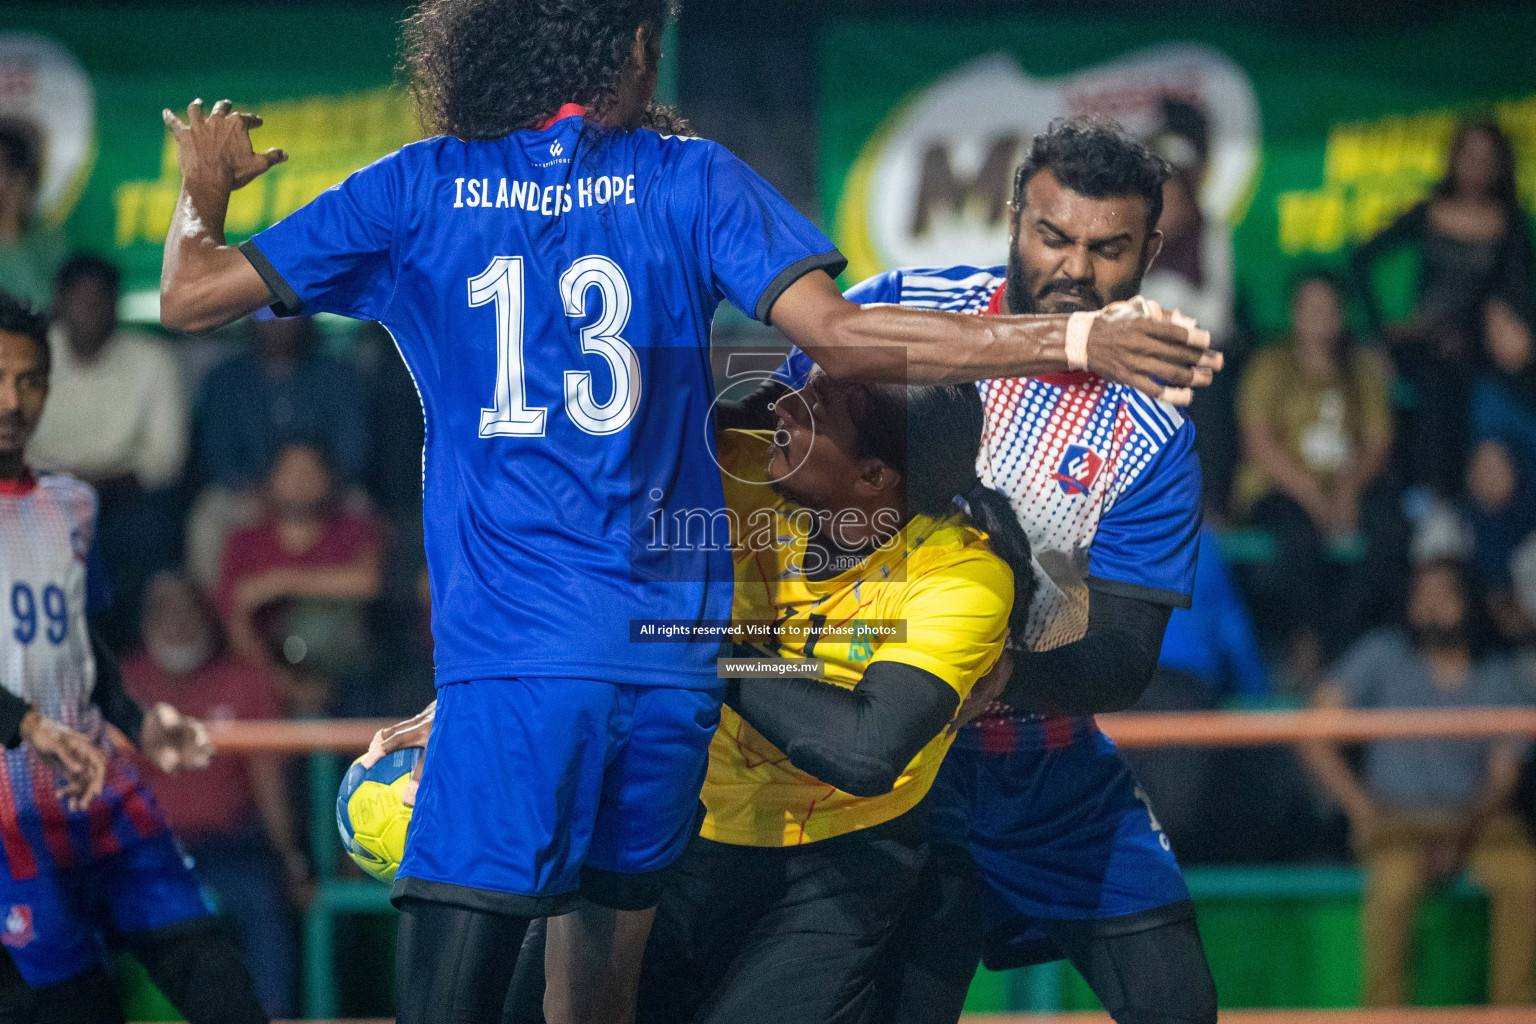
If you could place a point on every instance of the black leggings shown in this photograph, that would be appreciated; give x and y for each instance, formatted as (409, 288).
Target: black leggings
(454, 964)
(1156, 974)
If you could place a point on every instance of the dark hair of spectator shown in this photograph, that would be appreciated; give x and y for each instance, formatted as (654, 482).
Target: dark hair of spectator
(20, 151)
(929, 435)
(195, 597)
(1095, 157)
(17, 317)
(314, 446)
(1477, 625)
(482, 69)
(1344, 344)
(1503, 188)
(88, 266)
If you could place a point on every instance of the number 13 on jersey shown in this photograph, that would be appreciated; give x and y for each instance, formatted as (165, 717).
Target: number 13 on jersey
(502, 286)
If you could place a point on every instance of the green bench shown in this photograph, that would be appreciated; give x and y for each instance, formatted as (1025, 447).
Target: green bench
(1250, 545)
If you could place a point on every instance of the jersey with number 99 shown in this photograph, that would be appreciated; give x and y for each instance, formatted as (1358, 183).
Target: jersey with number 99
(551, 293)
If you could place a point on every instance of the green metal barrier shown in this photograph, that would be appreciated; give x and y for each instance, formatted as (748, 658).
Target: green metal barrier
(334, 896)
(1249, 545)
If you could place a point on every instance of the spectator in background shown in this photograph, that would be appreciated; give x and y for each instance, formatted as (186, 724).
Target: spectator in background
(1500, 512)
(1421, 810)
(1316, 422)
(30, 255)
(116, 418)
(234, 816)
(282, 390)
(1504, 398)
(300, 579)
(1474, 244)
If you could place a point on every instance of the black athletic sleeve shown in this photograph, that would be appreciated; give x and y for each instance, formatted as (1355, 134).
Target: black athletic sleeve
(116, 706)
(12, 710)
(1107, 670)
(859, 740)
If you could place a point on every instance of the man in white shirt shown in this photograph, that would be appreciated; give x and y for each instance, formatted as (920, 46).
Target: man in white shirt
(117, 408)
(117, 419)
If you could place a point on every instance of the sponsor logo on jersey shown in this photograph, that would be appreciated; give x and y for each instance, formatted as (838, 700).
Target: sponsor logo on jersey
(18, 926)
(555, 149)
(1079, 468)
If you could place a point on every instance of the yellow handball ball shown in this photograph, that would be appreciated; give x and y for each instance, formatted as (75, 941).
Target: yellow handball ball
(371, 813)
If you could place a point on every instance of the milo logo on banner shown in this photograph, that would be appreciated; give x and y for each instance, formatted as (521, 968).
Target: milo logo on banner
(932, 185)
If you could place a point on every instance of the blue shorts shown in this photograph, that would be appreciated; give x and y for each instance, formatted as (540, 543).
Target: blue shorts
(1056, 834)
(55, 923)
(535, 789)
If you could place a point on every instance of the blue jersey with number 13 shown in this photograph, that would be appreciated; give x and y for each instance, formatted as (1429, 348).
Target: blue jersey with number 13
(551, 293)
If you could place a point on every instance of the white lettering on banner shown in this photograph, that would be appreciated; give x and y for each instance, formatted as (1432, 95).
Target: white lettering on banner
(547, 200)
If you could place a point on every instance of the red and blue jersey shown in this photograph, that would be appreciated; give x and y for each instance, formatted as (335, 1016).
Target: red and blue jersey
(1104, 480)
(552, 293)
(46, 529)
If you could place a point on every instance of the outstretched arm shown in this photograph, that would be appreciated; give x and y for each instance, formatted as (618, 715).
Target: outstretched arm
(902, 345)
(204, 283)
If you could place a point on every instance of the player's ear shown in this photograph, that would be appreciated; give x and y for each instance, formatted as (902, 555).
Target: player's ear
(1151, 249)
(875, 478)
(640, 53)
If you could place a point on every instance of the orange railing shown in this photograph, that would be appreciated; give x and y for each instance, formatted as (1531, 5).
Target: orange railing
(1157, 729)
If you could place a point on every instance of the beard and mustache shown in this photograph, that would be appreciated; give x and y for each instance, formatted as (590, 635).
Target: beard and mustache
(1021, 300)
(1440, 638)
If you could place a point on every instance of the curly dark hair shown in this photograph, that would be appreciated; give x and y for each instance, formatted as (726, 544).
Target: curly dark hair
(17, 317)
(483, 69)
(1095, 157)
(1505, 191)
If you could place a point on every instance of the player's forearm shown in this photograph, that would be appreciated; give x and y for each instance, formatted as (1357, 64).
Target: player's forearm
(901, 345)
(1107, 670)
(1326, 763)
(858, 740)
(1497, 793)
(358, 580)
(204, 283)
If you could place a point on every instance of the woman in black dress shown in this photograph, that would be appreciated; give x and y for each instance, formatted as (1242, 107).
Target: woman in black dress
(1474, 244)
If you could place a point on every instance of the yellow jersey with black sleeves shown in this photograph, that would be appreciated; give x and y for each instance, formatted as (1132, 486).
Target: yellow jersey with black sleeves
(936, 579)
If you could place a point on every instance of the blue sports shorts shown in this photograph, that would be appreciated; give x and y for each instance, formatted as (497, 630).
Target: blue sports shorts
(536, 789)
(1057, 834)
(55, 924)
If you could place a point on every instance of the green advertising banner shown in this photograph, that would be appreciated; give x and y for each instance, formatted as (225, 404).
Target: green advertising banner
(1296, 146)
(87, 84)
